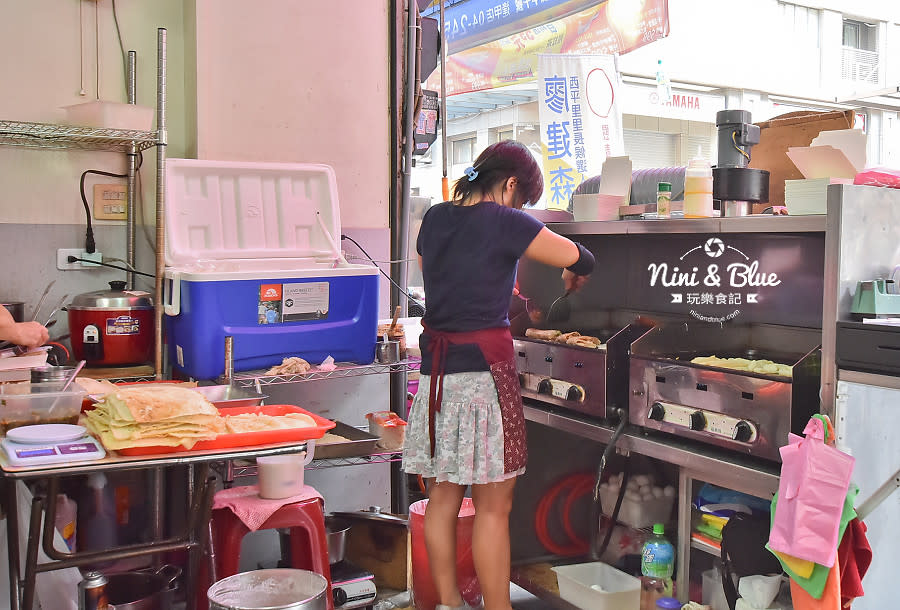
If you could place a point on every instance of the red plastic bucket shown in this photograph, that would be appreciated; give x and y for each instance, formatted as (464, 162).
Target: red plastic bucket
(423, 591)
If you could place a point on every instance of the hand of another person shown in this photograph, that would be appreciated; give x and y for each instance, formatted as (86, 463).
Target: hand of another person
(29, 334)
(572, 282)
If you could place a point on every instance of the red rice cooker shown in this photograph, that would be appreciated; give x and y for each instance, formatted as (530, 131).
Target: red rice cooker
(112, 327)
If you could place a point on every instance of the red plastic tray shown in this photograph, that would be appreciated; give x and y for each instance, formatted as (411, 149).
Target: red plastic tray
(248, 439)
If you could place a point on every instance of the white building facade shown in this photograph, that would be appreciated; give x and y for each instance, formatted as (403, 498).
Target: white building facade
(769, 57)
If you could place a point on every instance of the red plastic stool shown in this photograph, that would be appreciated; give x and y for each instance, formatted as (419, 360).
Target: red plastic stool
(309, 542)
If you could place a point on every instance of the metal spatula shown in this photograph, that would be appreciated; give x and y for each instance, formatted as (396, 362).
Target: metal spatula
(560, 309)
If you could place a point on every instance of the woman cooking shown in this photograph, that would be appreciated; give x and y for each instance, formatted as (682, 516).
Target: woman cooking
(466, 425)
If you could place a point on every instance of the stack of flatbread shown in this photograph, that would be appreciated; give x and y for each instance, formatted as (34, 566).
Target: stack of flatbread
(137, 416)
(570, 338)
(171, 416)
(763, 367)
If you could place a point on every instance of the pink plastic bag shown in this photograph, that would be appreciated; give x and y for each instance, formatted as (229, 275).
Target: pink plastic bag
(811, 492)
(879, 176)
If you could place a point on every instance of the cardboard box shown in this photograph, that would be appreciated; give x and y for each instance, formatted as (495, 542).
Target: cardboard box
(383, 549)
(785, 131)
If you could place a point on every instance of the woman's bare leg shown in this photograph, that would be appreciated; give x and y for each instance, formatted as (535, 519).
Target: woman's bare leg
(441, 515)
(490, 541)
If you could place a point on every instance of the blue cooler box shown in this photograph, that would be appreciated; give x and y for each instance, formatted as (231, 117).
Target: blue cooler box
(251, 253)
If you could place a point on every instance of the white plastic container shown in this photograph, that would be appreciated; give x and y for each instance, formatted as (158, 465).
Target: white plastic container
(111, 115)
(713, 592)
(637, 514)
(597, 586)
(698, 189)
(281, 476)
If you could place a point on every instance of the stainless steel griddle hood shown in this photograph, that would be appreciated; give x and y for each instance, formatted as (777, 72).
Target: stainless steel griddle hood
(747, 412)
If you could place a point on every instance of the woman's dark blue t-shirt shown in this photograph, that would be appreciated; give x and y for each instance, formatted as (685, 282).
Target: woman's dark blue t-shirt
(469, 259)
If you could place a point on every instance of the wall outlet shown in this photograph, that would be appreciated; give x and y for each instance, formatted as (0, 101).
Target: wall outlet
(63, 254)
(110, 202)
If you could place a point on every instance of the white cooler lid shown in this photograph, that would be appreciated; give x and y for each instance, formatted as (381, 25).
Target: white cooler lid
(225, 210)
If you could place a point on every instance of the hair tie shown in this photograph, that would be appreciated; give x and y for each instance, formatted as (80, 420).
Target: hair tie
(472, 173)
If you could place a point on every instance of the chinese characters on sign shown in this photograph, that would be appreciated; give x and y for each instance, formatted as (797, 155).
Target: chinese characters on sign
(581, 124)
(601, 28)
(729, 279)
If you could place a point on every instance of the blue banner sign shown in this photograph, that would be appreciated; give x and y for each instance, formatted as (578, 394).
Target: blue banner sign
(469, 23)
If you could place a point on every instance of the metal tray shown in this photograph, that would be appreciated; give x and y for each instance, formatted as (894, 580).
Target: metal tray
(230, 396)
(359, 443)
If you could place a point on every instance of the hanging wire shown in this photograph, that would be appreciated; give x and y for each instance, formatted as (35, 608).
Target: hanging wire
(738, 148)
(121, 44)
(380, 270)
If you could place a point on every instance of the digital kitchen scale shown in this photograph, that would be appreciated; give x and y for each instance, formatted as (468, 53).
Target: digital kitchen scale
(50, 444)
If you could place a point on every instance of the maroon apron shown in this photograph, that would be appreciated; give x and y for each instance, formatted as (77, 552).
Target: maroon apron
(497, 347)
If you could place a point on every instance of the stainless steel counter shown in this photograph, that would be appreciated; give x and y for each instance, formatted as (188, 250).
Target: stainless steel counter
(760, 223)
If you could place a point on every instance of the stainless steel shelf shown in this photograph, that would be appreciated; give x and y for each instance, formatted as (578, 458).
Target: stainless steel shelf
(249, 470)
(45, 135)
(761, 223)
(257, 379)
(702, 462)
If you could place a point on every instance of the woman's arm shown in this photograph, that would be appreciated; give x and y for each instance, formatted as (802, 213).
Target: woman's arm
(558, 251)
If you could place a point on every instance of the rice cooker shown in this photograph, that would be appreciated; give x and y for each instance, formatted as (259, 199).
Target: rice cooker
(112, 327)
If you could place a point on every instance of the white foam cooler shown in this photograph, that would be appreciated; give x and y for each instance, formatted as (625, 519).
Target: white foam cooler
(252, 252)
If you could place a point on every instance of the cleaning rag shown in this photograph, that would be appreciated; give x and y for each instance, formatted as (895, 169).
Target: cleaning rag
(247, 506)
(855, 556)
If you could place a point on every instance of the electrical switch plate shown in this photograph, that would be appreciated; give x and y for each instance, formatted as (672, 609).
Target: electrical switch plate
(109, 202)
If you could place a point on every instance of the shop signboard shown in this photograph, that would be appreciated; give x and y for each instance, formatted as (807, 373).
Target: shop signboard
(426, 123)
(581, 122)
(612, 27)
(732, 277)
(469, 23)
(685, 104)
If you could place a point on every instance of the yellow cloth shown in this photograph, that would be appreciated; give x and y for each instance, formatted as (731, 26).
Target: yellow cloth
(801, 567)
(714, 520)
(831, 597)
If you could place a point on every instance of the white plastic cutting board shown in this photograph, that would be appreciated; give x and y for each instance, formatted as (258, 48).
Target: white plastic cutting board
(222, 210)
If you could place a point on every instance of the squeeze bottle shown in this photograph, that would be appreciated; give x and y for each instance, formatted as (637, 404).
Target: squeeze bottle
(97, 516)
(698, 187)
(66, 517)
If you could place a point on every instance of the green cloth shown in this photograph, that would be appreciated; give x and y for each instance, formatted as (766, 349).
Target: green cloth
(710, 531)
(815, 584)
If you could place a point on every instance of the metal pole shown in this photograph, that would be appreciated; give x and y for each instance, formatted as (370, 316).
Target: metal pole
(400, 238)
(880, 495)
(11, 507)
(445, 186)
(130, 220)
(161, 142)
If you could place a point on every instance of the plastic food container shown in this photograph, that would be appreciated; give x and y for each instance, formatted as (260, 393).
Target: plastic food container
(281, 476)
(598, 586)
(22, 404)
(388, 427)
(112, 115)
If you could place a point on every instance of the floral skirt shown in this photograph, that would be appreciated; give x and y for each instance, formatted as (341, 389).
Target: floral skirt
(469, 431)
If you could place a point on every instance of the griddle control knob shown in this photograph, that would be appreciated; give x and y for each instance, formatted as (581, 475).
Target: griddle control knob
(657, 412)
(575, 393)
(743, 431)
(698, 420)
(545, 387)
(340, 596)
